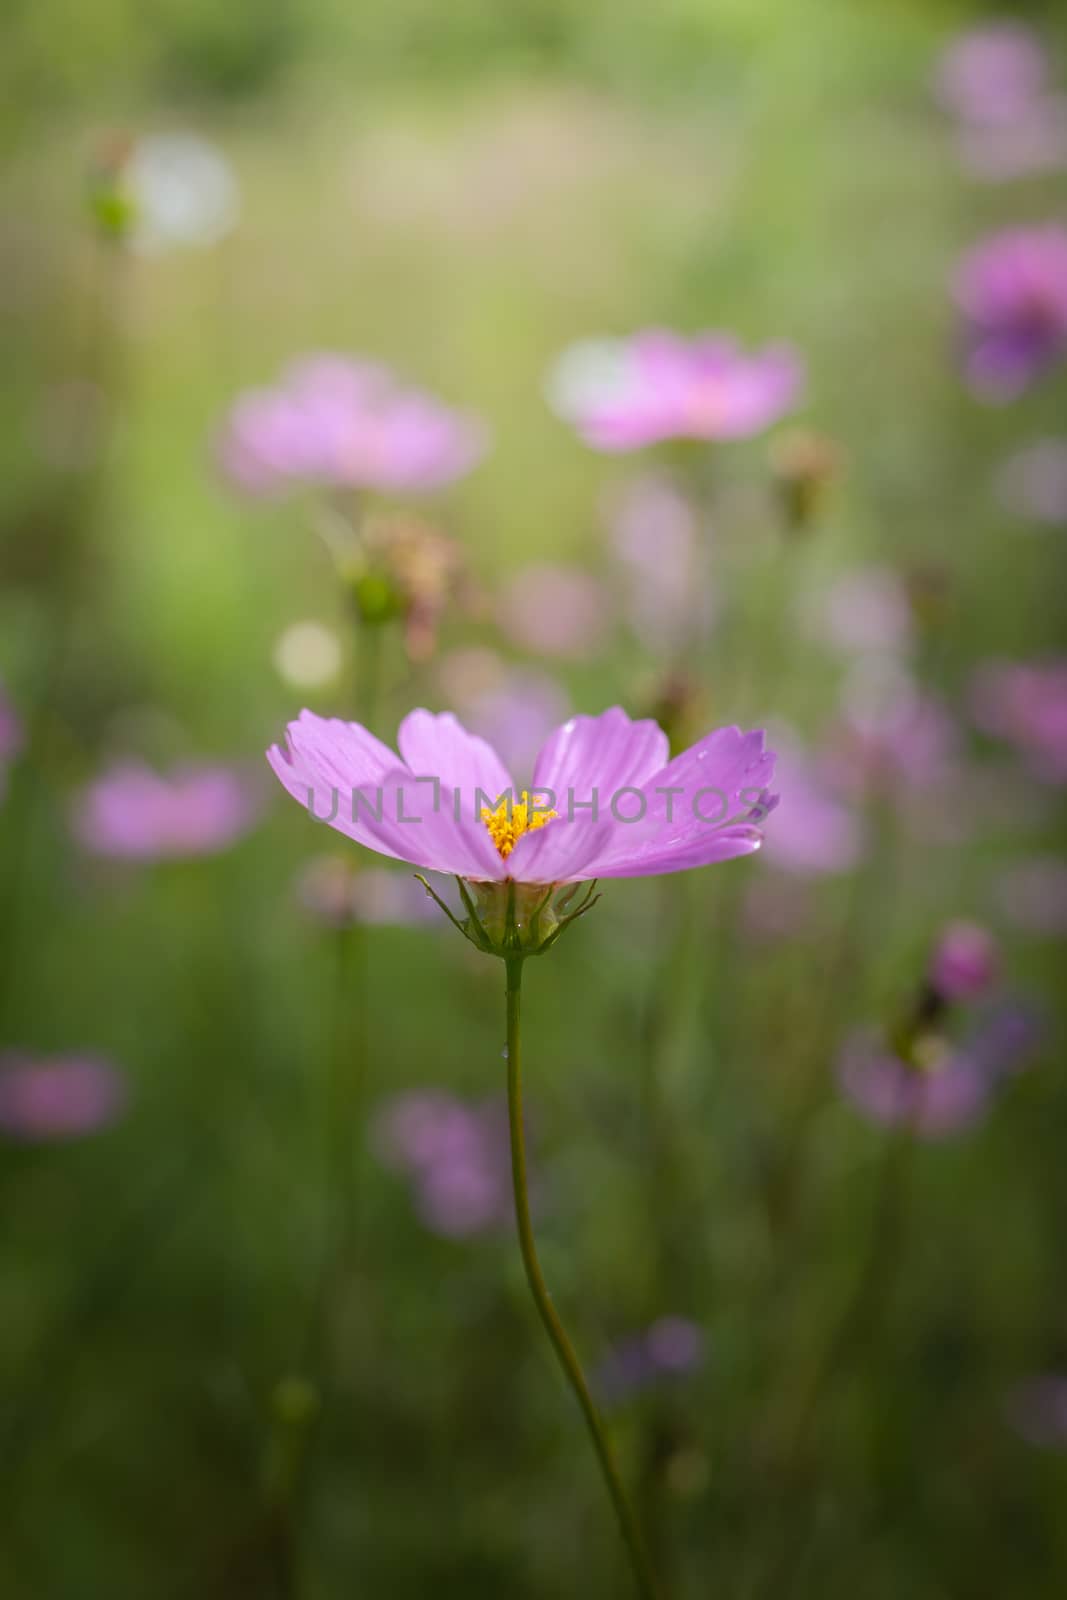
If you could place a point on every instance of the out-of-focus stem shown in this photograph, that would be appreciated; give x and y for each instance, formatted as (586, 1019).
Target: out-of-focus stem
(557, 1334)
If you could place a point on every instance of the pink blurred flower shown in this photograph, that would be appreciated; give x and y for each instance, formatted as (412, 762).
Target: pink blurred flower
(555, 611)
(341, 894)
(456, 1156)
(892, 734)
(137, 814)
(670, 1349)
(998, 153)
(1025, 703)
(817, 832)
(517, 715)
(865, 611)
(345, 424)
(655, 537)
(992, 74)
(1033, 895)
(623, 394)
(58, 1098)
(1033, 482)
(952, 1088)
(1012, 293)
(965, 962)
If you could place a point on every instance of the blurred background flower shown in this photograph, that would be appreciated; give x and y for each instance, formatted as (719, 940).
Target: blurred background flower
(62, 1097)
(1012, 292)
(456, 1156)
(625, 394)
(136, 813)
(552, 610)
(344, 424)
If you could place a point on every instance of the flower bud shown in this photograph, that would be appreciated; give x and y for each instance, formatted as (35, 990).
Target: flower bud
(965, 962)
(804, 464)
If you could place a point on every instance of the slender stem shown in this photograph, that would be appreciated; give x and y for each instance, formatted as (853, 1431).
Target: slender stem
(642, 1571)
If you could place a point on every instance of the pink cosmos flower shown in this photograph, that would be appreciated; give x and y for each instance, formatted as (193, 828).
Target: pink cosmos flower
(345, 424)
(60, 1098)
(991, 75)
(135, 813)
(1012, 292)
(456, 1156)
(1025, 702)
(605, 801)
(952, 1088)
(624, 394)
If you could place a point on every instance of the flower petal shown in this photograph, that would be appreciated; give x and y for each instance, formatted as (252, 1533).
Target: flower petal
(601, 754)
(342, 753)
(429, 825)
(440, 747)
(701, 807)
(325, 761)
(560, 851)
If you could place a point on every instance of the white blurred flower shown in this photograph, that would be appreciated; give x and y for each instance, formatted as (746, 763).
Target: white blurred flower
(307, 655)
(585, 375)
(183, 190)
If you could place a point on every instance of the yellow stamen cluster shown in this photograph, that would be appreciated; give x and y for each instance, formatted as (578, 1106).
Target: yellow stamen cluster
(508, 821)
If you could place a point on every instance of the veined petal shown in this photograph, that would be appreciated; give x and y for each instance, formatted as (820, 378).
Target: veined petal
(560, 851)
(701, 807)
(602, 754)
(341, 753)
(440, 747)
(675, 855)
(323, 764)
(428, 824)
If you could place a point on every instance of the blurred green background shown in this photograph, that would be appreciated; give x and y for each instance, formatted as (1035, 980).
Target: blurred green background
(462, 191)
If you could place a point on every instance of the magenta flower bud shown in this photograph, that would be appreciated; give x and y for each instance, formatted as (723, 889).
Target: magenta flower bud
(965, 963)
(1011, 291)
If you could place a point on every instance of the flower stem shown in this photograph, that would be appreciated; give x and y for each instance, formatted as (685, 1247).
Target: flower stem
(646, 1584)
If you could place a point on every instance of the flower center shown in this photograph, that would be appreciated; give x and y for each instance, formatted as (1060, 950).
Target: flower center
(508, 821)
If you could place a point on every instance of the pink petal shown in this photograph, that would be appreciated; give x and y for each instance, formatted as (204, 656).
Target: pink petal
(605, 753)
(441, 747)
(430, 825)
(561, 850)
(719, 786)
(324, 763)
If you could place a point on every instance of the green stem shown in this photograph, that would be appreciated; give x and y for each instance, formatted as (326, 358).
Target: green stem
(642, 1572)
